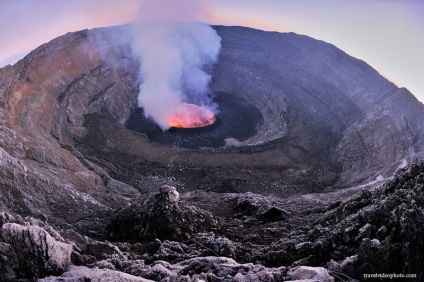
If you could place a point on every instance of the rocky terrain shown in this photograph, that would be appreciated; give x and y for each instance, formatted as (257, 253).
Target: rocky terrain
(296, 193)
(232, 237)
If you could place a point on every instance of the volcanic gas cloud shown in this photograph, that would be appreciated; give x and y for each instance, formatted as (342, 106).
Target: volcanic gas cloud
(174, 88)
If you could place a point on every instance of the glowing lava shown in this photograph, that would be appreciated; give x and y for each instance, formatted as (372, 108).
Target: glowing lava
(191, 116)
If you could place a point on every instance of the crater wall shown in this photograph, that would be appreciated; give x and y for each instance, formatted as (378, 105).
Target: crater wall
(326, 121)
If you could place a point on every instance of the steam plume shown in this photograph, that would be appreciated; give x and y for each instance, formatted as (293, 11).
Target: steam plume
(172, 55)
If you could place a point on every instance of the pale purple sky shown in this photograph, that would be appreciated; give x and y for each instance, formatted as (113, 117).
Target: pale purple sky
(387, 34)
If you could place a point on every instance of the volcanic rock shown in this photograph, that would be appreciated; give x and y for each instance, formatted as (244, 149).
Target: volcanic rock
(160, 216)
(37, 253)
(304, 273)
(398, 205)
(81, 273)
(260, 207)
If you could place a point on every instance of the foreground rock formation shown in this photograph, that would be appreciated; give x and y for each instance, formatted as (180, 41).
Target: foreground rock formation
(79, 189)
(377, 231)
(159, 217)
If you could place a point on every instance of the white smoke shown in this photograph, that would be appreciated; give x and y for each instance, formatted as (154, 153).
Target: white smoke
(172, 55)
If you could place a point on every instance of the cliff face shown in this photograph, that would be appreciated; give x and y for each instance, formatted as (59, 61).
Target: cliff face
(322, 98)
(328, 120)
(43, 100)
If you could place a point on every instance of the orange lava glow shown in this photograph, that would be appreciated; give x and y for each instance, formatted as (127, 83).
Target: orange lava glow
(191, 116)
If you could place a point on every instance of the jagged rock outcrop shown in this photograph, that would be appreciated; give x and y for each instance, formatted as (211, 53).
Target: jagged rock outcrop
(382, 227)
(376, 231)
(208, 269)
(36, 252)
(81, 273)
(260, 207)
(305, 273)
(162, 217)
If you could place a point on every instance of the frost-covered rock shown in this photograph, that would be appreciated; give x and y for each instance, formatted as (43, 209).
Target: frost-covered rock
(308, 273)
(38, 254)
(226, 269)
(158, 271)
(82, 274)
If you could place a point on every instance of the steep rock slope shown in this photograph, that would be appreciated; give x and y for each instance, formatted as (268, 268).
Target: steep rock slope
(41, 173)
(301, 83)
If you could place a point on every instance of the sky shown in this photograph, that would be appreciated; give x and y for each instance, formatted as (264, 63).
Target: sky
(387, 34)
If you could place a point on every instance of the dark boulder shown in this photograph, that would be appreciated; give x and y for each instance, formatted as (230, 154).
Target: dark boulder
(159, 216)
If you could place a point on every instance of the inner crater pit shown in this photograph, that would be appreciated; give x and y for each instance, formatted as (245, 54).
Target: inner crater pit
(235, 119)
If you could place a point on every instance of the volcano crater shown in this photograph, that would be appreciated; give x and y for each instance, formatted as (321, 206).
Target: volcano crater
(297, 116)
(281, 127)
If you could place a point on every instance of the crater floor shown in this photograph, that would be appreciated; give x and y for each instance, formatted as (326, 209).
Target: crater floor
(235, 119)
